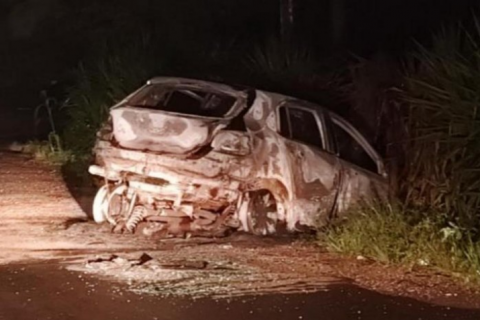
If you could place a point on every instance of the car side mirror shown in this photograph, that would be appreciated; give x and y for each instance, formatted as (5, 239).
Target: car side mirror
(232, 142)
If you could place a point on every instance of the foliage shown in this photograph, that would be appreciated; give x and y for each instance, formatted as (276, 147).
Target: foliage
(443, 157)
(48, 105)
(294, 69)
(278, 60)
(438, 223)
(50, 111)
(394, 234)
(101, 84)
(50, 151)
(121, 67)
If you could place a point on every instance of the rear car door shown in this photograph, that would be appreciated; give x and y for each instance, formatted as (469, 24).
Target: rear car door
(363, 176)
(315, 170)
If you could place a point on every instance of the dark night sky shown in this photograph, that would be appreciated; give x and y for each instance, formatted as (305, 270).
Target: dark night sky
(41, 39)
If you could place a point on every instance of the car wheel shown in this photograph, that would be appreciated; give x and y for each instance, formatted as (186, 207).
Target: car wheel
(262, 216)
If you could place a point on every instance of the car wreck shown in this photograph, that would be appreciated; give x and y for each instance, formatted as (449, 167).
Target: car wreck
(182, 157)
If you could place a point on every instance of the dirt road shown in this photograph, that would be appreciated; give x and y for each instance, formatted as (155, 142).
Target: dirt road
(45, 292)
(57, 264)
(40, 218)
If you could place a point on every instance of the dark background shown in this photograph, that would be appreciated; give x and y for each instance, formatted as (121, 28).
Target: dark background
(43, 40)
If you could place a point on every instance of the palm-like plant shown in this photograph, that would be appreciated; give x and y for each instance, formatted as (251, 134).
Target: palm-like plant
(443, 93)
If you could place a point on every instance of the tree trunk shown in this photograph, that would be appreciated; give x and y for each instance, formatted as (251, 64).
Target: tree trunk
(337, 14)
(286, 19)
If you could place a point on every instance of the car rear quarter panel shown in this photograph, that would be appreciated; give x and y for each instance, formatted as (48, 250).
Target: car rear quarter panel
(308, 178)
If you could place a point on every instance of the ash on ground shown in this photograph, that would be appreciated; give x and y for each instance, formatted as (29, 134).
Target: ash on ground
(197, 278)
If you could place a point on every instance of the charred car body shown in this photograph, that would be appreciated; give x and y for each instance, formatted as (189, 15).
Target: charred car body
(190, 157)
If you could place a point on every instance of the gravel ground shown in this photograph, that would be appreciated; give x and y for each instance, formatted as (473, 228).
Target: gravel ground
(43, 223)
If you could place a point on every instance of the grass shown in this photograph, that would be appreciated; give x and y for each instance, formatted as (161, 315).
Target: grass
(50, 151)
(395, 235)
(442, 93)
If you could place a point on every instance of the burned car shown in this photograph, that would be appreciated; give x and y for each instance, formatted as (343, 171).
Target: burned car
(189, 157)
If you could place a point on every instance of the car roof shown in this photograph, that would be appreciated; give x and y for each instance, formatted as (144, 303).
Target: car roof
(233, 90)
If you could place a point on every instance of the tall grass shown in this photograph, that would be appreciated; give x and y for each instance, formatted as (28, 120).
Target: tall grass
(294, 69)
(278, 60)
(438, 223)
(99, 85)
(50, 150)
(443, 95)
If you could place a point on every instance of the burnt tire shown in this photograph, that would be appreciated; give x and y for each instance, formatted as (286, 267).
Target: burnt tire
(262, 216)
(100, 205)
(109, 205)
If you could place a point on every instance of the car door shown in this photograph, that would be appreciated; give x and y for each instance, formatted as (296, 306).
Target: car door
(315, 170)
(363, 176)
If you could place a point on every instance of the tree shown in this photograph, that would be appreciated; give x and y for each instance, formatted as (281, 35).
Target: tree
(337, 14)
(286, 19)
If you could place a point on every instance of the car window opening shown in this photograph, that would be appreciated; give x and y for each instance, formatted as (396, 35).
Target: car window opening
(300, 125)
(185, 101)
(350, 150)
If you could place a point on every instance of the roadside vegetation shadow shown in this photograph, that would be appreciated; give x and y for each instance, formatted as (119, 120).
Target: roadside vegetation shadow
(80, 185)
(349, 301)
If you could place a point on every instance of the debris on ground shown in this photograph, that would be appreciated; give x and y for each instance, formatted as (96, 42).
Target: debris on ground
(197, 278)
